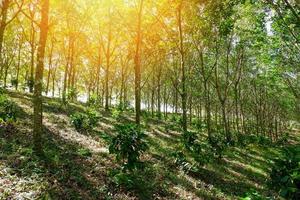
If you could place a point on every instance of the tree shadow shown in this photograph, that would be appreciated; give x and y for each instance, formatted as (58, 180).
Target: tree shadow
(227, 186)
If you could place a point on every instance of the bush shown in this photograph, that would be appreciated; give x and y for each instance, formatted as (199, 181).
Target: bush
(84, 152)
(170, 126)
(85, 121)
(241, 139)
(283, 139)
(72, 94)
(92, 117)
(78, 120)
(252, 139)
(198, 124)
(285, 175)
(181, 161)
(2, 90)
(8, 109)
(263, 140)
(116, 113)
(218, 144)
(128, 145)
(143, 183)
(14, 82)
(189, 139)
(123, 106)
(175, 118)
(93, 101)
(30, 83)
(253, 195)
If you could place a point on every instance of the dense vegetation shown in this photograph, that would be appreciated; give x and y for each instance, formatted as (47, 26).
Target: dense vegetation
(140, 99)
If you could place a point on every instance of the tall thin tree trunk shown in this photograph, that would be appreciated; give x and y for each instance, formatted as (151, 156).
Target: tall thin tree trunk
(3, 24)
(182, 67)
(137, 67)
(37, 98)
(18, 65)
(32, 43)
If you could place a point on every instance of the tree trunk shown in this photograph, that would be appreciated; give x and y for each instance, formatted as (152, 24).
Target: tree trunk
(18, 65)
(137, 67)
(37, 98)
(32, 44)
(182, 67)
(3, 24)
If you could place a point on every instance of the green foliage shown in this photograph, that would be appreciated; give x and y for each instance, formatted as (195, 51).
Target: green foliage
(140, 182)
(72, 94)
(189, 139)
(253, 195)
(246, 139)
(78, 120)
(285, 175)
(170, 126)
(92, 117)
(85, 121)
(116, 113)
(283, 139)
(2, 90)
(14, 82)
(122, 106)
(8, 109)
(193, 148)
(175, 118)
(182, 162)
(84, 152)
(93, 101)
(30, 83)
(263, 140)
(128, 145)
(218, 144)
(240, 138)
(198, 124)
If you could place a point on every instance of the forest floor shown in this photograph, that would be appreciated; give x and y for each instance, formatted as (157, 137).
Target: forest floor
(77, 164)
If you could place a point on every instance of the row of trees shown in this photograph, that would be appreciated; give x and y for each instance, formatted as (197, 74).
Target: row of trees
(232, 65)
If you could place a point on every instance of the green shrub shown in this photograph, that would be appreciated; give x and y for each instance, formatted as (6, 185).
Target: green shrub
(263, 140)
(175, 118)
(128, 145)
(84, 152)
(93, 101)
(92, 117)
(241, 139)
(283, 139)
(198, 124)
(189, 139)
(143, 183)
(72, 94)
(194, 147)
(30, 83)
(170, 126)
(14, 82)
(285, 175)
(85, 121)
(8, 109)
(251, 139)
(181, 161)
(78, 120)
(2, 90)
(252, 195)
(218, 144)
(116, 113)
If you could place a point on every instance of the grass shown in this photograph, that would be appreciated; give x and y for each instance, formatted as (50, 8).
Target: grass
(76, 165)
